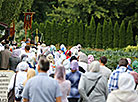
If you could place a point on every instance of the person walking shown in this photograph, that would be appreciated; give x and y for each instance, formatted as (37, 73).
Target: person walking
(42, 88)
(125, 91)
(4, 58)
(74, 78)
(94, 84)
(64, 84)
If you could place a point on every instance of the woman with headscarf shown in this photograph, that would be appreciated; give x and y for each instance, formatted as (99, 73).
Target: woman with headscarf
(21, 76)
(90, 79)
(126, 92)
(74, 78)
(63, 84)
(83, 63)
(14, 60)
(30, 74)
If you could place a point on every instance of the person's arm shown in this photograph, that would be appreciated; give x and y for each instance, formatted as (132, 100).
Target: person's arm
(25, 100)
(58, 99)
(58, 93)
(81, 88)
(25, 93)
(69, 88)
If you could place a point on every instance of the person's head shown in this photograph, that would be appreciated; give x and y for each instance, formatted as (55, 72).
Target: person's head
(94, 66)
(83, 58)
(74, 65)
(103, 60)
(22, 66)
(68, 53)
(90, 59)
(126, 82)
(6, 46)
(73, 58)
(79, 47)
(60, 73)
(16, 53)
(24, 58)
(43, 64)
(50, 58)
(27, 48)
(30, 74)
(123, 62)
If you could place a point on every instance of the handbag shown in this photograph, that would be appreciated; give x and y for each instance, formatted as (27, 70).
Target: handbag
(11, 94)
(81, 99)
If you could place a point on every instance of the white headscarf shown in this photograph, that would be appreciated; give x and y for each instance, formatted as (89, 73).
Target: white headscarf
(94, 66)
(126, 82)
(22, 66)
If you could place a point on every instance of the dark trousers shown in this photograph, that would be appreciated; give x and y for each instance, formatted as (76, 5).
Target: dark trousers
(3, 69)
(73, 99)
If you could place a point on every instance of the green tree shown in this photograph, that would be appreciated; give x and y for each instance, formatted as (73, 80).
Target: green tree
(105, 34)
(116, 35)
(110, 34)
(129, 37)
(41, 8)
(70, 34)
(86, 35)
(76, 32)
(53, 32)
(99, 36)
(92, 32)
(81, 33)
(11, 9)
(47, 35)
(64, 32)
(59, 33)
(122, 35)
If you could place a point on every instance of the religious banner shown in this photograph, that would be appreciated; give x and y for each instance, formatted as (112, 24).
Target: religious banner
(12, 31)
(5, 77)
(28, 20)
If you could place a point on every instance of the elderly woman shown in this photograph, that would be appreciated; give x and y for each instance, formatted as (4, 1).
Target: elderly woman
(90, 79)
(14, 59)
(21, 76)
(126, 92)
(64, 85)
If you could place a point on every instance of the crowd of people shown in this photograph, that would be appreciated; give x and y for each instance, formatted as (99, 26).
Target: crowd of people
(45, 74)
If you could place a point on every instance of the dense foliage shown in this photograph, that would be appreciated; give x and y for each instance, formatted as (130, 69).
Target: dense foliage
(118, 18)
(106, 36)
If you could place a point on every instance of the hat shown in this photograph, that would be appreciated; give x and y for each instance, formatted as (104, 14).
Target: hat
(90, 59)
(22, 66)
(129, 61)
(63, 48)
(74, 65)
(50, 57)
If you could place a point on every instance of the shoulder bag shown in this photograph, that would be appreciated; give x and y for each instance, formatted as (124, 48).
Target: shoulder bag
(11, 94)
(81, 99)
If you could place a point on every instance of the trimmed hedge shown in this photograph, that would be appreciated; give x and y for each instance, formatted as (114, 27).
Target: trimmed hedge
(91, 35)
